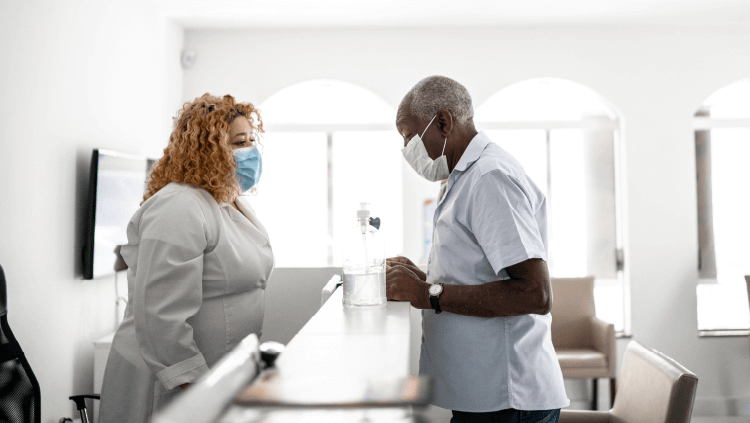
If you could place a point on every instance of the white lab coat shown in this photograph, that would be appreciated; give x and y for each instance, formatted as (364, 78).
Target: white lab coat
(196, 279)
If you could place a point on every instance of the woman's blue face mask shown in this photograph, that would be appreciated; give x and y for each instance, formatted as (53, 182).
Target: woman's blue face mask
(249, 166)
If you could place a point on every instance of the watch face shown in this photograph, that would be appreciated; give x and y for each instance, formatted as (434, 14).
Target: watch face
(435, 289)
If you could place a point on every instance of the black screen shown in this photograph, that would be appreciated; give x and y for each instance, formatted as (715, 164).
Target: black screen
(116, 188)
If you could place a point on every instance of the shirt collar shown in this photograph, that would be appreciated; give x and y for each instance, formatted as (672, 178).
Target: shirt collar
(473, 151)
(471, 154)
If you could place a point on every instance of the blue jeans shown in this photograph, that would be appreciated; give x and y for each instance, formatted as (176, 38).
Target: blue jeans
(510, 415)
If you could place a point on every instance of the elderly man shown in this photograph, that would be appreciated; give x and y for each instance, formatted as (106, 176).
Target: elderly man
(486, 295)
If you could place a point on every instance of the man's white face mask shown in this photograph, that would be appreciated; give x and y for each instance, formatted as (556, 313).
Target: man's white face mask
(416, 155)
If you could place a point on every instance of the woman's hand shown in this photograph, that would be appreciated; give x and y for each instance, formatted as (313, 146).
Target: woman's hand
(401, 284)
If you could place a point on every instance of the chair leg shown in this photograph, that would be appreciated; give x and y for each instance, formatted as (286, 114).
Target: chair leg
(595, 400)
(612, 389)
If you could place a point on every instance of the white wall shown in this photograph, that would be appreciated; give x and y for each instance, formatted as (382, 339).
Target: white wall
(74, 75)
(77, 75)
(656, 78)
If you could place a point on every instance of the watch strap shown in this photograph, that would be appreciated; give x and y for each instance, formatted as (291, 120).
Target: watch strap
(435, 302)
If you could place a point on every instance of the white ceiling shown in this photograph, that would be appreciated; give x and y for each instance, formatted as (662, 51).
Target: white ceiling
(423, 13)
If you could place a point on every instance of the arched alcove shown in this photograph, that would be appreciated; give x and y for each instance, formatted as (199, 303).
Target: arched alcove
(722, 148)
(324, 151)
(566, 137)
(544, 99)
(729, 102)
(326, 101)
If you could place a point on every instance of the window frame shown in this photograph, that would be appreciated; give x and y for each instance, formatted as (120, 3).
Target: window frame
(703, 122)
(590, 123)
(329, 130)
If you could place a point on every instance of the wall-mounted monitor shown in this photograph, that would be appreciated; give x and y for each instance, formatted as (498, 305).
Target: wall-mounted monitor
(117, 183)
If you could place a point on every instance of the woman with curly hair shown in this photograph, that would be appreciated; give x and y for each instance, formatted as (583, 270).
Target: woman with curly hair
(198, 261)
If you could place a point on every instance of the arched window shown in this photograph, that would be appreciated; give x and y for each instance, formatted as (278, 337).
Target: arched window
(566, 137)
(722, 148)
(328, 146)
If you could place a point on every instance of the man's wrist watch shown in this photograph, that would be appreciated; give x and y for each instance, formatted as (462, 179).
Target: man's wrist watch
(436, 289)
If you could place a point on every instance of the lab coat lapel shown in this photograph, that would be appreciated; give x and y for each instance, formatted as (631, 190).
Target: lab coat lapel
(247, 210)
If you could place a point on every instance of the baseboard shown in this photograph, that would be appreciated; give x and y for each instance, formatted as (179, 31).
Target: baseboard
(721, 407)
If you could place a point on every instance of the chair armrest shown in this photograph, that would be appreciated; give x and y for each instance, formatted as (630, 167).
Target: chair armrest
(583, 416)
(603, 335)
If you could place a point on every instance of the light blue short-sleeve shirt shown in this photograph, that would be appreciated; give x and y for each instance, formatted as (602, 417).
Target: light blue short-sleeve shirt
(491, 216)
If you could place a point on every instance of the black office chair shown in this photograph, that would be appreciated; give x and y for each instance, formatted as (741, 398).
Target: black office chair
(20, 395)
(80, 401)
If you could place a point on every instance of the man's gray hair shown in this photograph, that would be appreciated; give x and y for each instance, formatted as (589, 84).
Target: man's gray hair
(436, 93)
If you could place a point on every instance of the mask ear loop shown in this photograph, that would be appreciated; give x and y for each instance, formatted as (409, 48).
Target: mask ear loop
(425, 131)
(428, 125)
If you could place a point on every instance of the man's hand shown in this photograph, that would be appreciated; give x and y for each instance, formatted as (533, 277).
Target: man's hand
(402, 284)
(389, 262)
(405, 262)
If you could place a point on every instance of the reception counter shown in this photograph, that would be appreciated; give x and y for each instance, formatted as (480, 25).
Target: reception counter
(342, 342)
(343, 365)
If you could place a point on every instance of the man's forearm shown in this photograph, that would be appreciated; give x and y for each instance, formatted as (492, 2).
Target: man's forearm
(494, 299)
(528, 291)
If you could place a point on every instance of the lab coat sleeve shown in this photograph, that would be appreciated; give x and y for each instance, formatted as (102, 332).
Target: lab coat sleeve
(168, 287)
(501, 219)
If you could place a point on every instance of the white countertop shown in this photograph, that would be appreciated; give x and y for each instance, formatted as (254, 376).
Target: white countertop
(346, 344)
(338, 341)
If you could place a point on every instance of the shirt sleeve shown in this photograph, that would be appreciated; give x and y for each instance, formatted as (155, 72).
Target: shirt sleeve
(169, 287)
(502, 221)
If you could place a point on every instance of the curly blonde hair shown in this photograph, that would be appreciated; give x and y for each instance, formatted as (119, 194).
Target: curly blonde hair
(199, 152)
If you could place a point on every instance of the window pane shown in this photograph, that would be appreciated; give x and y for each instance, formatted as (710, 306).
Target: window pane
(582, 206)
(367, 167)
(292, 197)
(609, 306)
(730, 149)
(528, 146)
(722, 307)
(567, 211)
